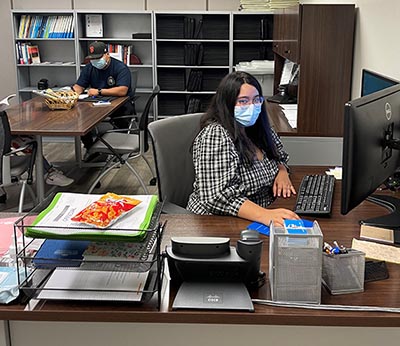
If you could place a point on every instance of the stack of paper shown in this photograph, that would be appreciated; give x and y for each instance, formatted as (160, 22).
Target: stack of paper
(264, 5)
(80, 284)
(290, 111)
(255, 5)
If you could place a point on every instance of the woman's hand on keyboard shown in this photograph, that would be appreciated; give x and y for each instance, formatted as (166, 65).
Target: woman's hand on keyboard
(282, 184)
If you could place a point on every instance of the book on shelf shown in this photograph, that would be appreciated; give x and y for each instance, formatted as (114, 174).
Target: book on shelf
(39, 26)
(55, 221)
(27, 53)
(33, 51)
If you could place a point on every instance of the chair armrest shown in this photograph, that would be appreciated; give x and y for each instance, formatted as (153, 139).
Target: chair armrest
(30, 144)
(171, 208)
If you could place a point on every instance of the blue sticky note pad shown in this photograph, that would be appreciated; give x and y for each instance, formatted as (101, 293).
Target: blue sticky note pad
(259, 227)
(263, 229)
(297, 226)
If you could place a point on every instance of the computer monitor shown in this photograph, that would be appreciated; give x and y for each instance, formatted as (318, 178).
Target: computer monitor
(372, 82)
(371, 152)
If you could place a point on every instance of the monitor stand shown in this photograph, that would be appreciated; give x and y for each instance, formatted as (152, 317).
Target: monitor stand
(390, 221)
(213, 295)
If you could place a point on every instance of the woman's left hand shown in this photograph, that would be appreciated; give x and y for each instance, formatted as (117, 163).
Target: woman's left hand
(282, 184)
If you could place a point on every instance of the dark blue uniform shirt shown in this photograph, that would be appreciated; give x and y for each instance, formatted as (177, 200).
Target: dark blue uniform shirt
(116, 74)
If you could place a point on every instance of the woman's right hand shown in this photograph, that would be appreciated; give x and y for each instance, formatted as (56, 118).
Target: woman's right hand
(277, 216)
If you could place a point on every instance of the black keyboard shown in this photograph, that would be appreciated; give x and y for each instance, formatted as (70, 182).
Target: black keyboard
(315, 195)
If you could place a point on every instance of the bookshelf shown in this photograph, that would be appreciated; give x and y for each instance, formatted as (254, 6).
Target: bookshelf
(188, 52)
(52, 35)
(252, 36)
(193, 53)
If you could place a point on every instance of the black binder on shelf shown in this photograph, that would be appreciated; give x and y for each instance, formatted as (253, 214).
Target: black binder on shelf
(170, 26)
(215, 27)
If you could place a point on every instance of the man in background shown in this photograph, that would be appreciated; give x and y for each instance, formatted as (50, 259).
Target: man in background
(105, 76)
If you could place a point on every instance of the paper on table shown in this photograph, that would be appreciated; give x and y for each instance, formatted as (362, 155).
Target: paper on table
(80, 284)
(290, 111)
(55, 221)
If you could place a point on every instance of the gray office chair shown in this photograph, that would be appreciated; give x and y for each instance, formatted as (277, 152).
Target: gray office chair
(172, 139)
(12, 165)
(121, 145)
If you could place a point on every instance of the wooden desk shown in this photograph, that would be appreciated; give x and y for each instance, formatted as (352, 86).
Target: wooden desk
(261, 324)
(278, 120)
(33, 117)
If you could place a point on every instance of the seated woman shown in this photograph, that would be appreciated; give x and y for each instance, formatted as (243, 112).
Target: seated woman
(240, 165)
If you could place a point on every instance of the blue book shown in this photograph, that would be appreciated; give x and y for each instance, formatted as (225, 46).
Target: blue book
(60, 253)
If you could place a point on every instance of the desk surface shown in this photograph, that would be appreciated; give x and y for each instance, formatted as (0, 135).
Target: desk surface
(338, 227)
(33, 117)
(278, 120)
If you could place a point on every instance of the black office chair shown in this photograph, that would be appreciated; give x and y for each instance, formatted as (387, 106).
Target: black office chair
(13, 166)
(122, 145)
(172, 140)
(109, 122)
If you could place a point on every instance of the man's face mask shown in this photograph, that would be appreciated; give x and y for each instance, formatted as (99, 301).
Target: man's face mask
(247, 115)
(99, 63)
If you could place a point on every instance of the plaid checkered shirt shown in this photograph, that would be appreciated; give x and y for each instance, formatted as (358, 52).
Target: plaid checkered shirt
(223, 182)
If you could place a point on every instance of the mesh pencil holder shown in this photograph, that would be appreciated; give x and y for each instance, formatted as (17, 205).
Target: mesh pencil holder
(343, 273)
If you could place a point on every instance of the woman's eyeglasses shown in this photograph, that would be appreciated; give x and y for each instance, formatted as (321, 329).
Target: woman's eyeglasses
(244, 101)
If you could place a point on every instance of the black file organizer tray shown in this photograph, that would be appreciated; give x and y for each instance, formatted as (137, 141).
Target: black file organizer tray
(32, 280)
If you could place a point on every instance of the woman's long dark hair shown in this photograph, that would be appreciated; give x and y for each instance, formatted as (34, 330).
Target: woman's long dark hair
(221, 110)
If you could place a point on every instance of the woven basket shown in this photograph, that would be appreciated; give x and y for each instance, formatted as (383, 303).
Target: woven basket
(61, 99)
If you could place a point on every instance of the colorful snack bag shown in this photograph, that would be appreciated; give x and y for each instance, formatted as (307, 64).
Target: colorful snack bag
(105, 211)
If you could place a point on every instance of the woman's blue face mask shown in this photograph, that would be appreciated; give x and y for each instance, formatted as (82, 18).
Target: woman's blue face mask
(99, 63)
(247, 115)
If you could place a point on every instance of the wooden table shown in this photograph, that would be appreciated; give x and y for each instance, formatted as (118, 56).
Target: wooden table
(278, 120)
(33, 117)
(338, 227)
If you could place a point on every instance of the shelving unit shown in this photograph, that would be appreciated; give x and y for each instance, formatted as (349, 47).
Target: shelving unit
(188, 53)
(193, 53)
(213, 41)
(252, 36)
(57, 55)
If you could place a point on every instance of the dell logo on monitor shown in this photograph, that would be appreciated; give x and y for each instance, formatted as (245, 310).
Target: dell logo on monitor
(388, 111)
